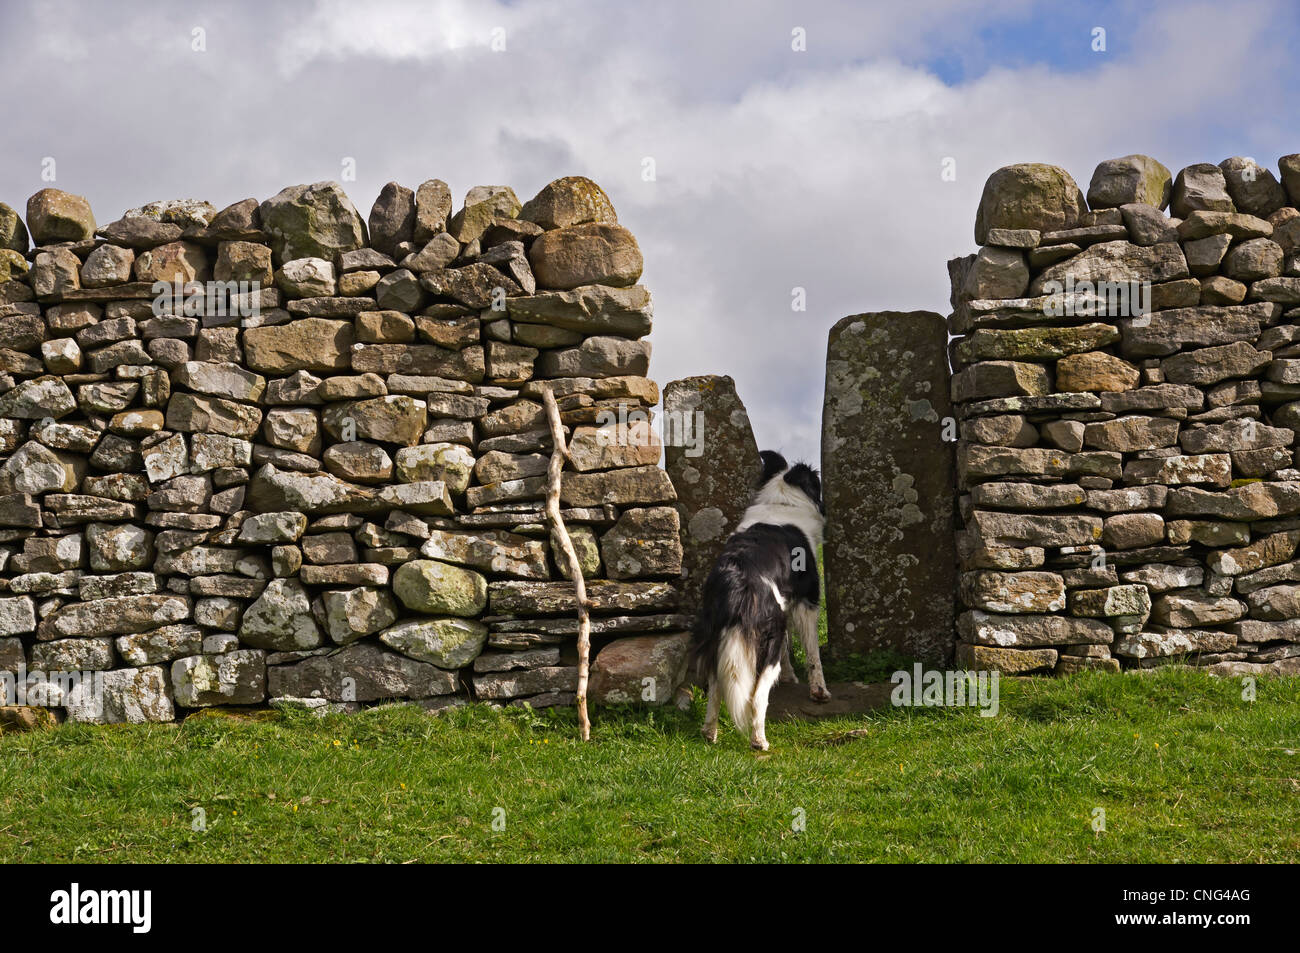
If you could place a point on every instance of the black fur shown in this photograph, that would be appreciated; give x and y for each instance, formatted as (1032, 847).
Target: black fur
(736, 591)
(771, 463)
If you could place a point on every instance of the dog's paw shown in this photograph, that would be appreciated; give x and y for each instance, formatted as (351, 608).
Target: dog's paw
(819, 694)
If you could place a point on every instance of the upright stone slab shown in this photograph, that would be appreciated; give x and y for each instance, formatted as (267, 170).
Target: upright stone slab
(714, 474)
(887, 476)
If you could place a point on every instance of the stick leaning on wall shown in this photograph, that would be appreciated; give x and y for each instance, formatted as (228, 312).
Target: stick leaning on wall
(560, 533)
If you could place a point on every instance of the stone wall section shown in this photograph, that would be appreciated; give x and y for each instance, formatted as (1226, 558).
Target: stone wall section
(316, 475)
(1126, 373)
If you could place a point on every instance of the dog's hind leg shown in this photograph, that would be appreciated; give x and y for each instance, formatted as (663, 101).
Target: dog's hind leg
(788, 677)
(710, 730)
(762, 689)
(805, 622)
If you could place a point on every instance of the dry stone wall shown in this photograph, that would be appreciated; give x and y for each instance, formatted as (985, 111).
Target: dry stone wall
(1127, 385)
(278, 453)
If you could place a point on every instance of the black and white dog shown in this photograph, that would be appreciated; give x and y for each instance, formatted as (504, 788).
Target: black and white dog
(764, 582)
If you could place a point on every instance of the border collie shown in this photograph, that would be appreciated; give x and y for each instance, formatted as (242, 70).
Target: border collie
(764, 582)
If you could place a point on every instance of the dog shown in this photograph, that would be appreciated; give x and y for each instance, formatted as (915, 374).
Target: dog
(763, 583)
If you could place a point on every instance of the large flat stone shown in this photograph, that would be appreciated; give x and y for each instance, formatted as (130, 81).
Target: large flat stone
(888, 478)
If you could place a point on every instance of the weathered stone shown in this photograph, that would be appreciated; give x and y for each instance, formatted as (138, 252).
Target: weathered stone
(1013, 592)
(361, 672)
(351, 614)
(1203, 224)
(312, 221)
(283, 527)
(1147, 225)
(54, 216)
(432, 209)
(1034, 344)
(644, 669)
(1014, 529)
(131, 696)
(312, 344)
(1253, 188)
(446, 643)
(1275, 603)
(38, 399)
(590, 309)
(483, 205)
(1114, 262)
(17, 615)
(1006, 661)
(307, 278)
(1133, 530)
(392, 218)
(116, 616)
(977, 462)
(13, 233)
(1135, 178)
(1180, 469)
(392, 419)
(161, 645)
(1200, 187)
(1008, 430)
(492, 551)
(1029, 195)
(996, 273)
(572, 200)
(1213, 364)
(1113, 601)
(273, 490)
(715, 476)
(220, 379)
(597, 357)
(1239, 434)
(590, 253)
(281, 619)
(1128, 434)
(234, 678)
(888, 477)
(1156, 397)
(448, 462)
(644, 543)
(1253, 501)
(999, 379)
(1160, 643)
(115, 548)
(1166, 332)
(426, 585)
(192, 414)
(1253, 260)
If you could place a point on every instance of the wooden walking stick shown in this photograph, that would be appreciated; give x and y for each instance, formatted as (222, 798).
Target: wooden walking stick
(560, 533)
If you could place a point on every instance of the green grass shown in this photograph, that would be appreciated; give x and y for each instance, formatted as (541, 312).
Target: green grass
(1183, 767)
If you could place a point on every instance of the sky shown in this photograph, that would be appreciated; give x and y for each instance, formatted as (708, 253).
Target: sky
(795, 145)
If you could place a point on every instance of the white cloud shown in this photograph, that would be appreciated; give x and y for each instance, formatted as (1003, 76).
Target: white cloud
(776, 169)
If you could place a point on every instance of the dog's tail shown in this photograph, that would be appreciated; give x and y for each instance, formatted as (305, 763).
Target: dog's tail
(736, 672)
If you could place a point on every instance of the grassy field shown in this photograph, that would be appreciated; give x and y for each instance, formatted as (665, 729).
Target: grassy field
(1184, 769)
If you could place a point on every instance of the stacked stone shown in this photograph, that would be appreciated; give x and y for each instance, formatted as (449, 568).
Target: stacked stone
(1129, 493)
(317, 476)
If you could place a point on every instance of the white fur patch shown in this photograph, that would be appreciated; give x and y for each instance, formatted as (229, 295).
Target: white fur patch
(779, 503)
(776, 591)
(736, 675)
